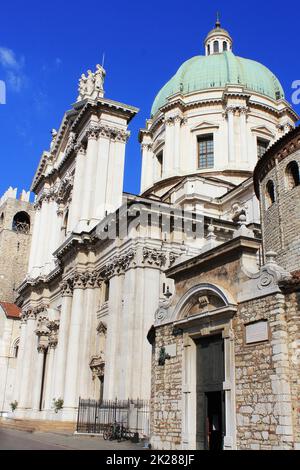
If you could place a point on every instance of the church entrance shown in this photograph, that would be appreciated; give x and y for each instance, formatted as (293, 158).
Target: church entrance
(210, 422)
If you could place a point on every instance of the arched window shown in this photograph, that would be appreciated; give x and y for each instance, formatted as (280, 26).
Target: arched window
(65, 224)
(208, 49)
(292, 175)
(21, 222)
(270, 193)
(1, 220)
(216, 46)
(225, 48)
(160, 159)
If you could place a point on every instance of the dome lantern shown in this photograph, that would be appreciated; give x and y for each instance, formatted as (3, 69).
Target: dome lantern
(218, 40)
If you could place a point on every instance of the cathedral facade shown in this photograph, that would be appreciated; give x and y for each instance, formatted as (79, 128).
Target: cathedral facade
(108, 269)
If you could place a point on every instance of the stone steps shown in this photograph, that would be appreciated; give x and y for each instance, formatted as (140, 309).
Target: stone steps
(38, 425)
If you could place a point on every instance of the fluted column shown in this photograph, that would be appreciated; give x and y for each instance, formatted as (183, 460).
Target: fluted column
(63, 337)
(28, 362)
(89, 176)
(74, 347)
(76, 204)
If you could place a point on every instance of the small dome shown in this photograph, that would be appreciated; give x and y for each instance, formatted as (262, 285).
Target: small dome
(217, 71)
(216, 32)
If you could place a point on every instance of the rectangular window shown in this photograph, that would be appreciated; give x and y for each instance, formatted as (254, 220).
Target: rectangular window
(262, 146)
(206, 151)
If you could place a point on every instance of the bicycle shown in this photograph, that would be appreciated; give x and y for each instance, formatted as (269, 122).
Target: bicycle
(112, 432)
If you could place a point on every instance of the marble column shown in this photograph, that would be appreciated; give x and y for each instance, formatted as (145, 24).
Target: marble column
(112, 340)
(231, 147)
(35, 239)
(243, 129)
(25, 395)
(48, 378)
(101, 177)
(115, 172)
(147, 167)
(75, 207)
(71, 395)
(168, 161)
(63, 337)
(177, 140)
(89, 176)
(85, 375)
(38, 378)
(50, 242)
(38, 258)
(20, 361)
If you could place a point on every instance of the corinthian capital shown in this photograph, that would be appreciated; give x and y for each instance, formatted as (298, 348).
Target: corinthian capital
(93, 133)
(67, 288)
(79, 281)
(153, 257)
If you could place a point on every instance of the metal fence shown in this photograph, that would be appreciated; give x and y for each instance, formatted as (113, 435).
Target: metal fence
(94, 416)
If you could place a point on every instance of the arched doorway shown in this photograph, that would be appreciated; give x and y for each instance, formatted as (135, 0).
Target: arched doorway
(204, 314)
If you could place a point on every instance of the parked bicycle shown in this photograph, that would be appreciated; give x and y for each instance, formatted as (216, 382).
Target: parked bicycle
(117, 431)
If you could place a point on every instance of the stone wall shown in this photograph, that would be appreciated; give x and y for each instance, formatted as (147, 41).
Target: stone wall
(166, 399)
(281, 221)
(267, 386)
(292, 307)
(263, 385)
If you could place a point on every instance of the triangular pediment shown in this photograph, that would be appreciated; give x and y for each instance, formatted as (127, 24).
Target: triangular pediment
(263, 130)
(205, 125)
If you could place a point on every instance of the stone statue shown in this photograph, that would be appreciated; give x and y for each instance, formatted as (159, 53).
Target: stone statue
(99, 78)
(82, 88)
(53, 134)
(90, 83)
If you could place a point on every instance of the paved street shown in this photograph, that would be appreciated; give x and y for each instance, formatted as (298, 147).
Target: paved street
(22, 440)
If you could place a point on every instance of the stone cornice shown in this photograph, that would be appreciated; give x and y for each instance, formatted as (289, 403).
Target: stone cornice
(235, 246)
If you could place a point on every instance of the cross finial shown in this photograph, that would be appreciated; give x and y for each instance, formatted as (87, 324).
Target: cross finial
(218, 23)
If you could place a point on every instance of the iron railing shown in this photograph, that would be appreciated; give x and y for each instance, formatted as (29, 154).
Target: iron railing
(94, 416)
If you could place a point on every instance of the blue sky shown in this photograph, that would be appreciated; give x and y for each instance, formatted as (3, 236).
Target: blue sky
(45, 46)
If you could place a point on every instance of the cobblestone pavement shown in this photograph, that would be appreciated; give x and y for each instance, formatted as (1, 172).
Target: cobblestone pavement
(21, 440)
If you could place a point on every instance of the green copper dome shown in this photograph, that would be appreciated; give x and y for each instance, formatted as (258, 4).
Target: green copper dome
(219, 70)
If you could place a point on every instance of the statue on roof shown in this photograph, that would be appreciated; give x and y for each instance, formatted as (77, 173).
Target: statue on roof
(91, 86)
